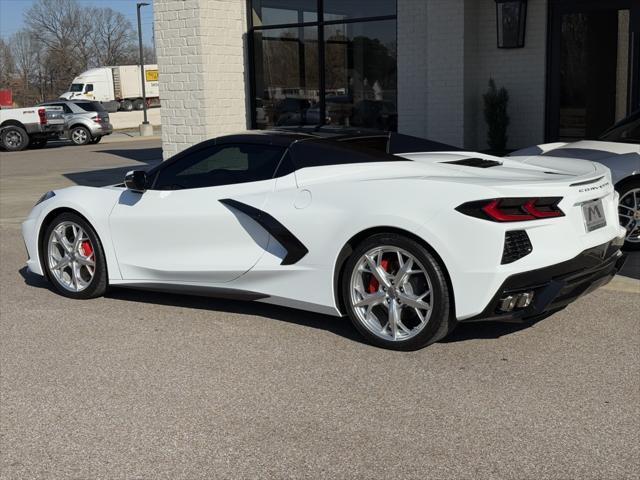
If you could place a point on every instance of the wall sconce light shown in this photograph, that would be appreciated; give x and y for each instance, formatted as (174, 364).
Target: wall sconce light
(511, 20)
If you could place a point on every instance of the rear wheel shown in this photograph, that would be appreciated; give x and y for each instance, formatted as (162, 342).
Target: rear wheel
(138, 104)
(396, 293)
(73, 257)
(80, 135)
(629, 213)
(126, 105)
(14, 138)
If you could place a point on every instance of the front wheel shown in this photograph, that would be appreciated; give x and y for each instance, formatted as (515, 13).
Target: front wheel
(629, 213)
(73, 257)
(396, 293)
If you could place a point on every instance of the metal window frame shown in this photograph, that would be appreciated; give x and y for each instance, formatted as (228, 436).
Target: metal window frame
(320, 24)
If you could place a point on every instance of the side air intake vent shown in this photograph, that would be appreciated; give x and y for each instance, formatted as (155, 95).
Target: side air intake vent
(476, 162)
(516, 246)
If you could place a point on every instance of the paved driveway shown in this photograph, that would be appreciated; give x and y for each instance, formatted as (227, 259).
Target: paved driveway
(143, 385)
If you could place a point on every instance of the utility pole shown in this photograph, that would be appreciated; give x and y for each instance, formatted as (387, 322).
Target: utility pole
(146, 130)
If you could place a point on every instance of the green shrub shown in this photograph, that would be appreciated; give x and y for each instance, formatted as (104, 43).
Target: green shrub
(495, 113)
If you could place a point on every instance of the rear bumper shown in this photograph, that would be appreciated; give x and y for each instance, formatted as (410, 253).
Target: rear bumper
(558, 285)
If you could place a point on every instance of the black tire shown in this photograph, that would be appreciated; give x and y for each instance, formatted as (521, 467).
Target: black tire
(624, 189)
(126, 106)
(138, 104)
(442, 320)
(99, 282)
(14, 138)
(95, 140)
(79, 135)
(37, 143)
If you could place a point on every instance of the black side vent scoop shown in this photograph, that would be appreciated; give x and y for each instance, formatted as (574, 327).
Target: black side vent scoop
(476, 162)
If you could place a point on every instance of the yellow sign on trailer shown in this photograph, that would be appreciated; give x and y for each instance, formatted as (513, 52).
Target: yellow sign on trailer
(152, 75)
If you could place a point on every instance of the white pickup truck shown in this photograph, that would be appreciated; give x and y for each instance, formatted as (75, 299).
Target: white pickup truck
(32, 126)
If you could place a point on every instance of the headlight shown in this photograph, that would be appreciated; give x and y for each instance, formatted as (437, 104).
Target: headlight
(45, 197)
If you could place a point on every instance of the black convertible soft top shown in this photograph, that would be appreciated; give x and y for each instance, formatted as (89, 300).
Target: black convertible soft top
(387, 142)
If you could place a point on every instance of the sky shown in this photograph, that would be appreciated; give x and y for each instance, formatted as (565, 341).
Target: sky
(11, 14)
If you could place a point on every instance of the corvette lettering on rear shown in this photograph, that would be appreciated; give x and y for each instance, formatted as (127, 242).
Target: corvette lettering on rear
(597, 187)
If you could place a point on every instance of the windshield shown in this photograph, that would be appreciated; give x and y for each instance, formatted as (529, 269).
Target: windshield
(76, 87)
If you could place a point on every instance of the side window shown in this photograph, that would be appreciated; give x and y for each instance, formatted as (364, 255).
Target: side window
(220, 165)
(88, 88)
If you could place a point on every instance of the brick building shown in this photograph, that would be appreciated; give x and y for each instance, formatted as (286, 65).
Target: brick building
(418, 66)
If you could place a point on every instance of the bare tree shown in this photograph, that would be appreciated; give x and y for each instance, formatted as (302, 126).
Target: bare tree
(7, 66)
(68, 38)
(111, 37)
(64, 28)
(24, 48)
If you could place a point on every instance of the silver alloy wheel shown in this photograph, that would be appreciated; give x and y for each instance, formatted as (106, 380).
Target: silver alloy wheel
(79, 136)
(629, 213)
(390, 293)
(71, 256)
(13, 138)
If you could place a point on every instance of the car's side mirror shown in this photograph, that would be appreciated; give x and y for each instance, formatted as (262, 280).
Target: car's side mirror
(136, 180)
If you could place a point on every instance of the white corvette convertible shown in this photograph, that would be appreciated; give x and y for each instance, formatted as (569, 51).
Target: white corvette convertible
(405, 241)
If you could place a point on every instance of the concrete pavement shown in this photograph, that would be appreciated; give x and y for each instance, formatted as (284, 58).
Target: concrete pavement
(141, 385)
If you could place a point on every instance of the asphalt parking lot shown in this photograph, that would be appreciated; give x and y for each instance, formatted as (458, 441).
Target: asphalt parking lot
(143, 386)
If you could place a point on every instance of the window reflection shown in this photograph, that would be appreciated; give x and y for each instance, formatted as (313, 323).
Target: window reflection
(286, 77)
(361, 74)
(283, 12)
(359, 67)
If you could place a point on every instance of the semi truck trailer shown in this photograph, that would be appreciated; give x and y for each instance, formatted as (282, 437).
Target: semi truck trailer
(117, 88)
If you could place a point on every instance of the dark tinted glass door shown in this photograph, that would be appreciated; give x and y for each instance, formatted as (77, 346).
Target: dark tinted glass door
(591, 72)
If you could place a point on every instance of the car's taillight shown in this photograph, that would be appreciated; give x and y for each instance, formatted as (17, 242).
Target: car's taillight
(96, 119)
(42, 113)
(513, 209)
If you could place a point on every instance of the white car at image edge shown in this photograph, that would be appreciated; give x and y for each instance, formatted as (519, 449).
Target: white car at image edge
(617, 149)
(405, 236)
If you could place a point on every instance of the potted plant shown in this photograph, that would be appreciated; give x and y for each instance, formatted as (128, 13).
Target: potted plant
(496, 101)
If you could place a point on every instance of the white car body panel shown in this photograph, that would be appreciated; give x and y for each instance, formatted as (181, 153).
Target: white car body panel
(188, 238)
(623, 159)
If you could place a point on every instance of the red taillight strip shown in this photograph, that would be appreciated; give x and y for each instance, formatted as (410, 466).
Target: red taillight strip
(493, 210)
(530, 208)
(42, 113)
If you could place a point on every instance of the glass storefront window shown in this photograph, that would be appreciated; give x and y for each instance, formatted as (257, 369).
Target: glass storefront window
(283, 12)
(361, 74)
(351, 9)
(286, 77)
(336, 67)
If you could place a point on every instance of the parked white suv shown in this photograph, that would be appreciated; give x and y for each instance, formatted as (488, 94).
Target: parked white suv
(32, 126)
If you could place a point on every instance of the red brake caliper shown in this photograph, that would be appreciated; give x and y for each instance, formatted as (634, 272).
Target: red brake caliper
(373, 282)
(87, 249)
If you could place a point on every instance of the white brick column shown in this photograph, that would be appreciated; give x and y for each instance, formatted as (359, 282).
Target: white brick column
(431, 69)
(201, 62)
